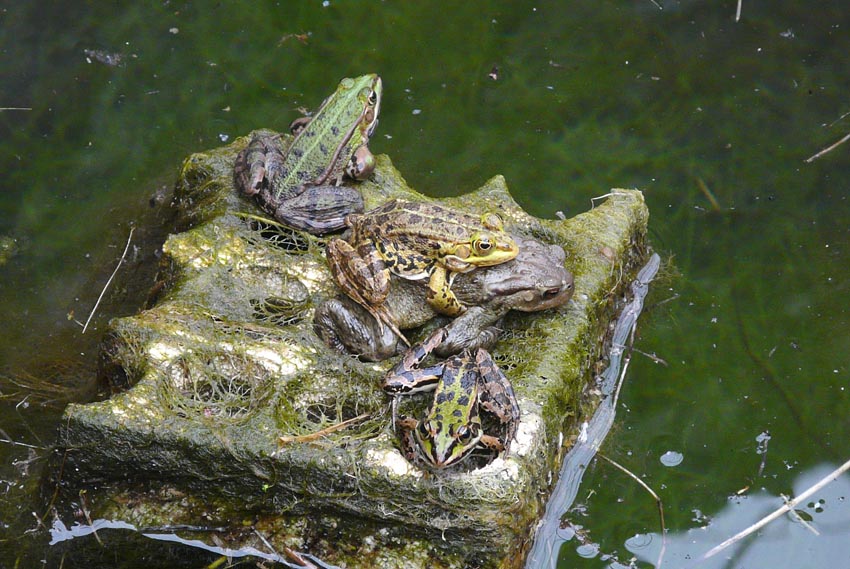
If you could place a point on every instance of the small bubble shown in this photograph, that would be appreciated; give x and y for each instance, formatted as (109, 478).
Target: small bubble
(588, 550)
(672, 458)
(639, 541)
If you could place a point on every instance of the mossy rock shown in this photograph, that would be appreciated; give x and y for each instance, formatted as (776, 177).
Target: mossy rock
(226, 361)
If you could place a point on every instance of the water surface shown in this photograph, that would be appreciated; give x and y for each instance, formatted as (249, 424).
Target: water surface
(711, 118)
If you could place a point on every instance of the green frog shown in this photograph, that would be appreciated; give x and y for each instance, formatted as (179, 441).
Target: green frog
(463, 386)
(535, 280)
(415, 240)
(300, 185)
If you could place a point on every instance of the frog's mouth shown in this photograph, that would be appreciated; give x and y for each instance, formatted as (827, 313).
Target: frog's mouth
(535, 298)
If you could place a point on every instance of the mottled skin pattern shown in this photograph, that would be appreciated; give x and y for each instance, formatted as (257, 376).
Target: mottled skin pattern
(415, 240)
(300, 185)
(535, 280)
(463, 385)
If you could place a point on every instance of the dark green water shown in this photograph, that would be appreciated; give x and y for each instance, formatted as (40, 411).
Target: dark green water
(681, 102)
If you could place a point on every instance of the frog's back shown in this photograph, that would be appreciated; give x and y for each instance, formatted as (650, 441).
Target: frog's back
(421, 224)
(315, 146)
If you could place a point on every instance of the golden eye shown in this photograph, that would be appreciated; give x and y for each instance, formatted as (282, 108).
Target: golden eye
(482, 245)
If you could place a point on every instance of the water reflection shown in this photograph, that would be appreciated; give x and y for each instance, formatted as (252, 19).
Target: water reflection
(59, 532)
(786, 542)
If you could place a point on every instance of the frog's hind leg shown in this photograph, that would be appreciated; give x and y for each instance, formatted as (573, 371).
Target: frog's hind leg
(361, 274)
(320, 209)
(258, 163)
(497, 394)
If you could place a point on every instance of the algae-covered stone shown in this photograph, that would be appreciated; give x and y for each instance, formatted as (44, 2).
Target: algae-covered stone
(226, 362)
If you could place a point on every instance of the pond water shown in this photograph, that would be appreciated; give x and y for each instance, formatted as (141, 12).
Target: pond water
(743, 396)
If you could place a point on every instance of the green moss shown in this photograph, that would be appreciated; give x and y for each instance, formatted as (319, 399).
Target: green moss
(227, 362)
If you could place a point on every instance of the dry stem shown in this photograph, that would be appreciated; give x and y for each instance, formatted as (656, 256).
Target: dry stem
(658, 502)
(788, 506)
(827, 149)
(112, 276)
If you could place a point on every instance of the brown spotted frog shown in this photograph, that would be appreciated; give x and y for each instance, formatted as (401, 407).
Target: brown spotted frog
(415, 241)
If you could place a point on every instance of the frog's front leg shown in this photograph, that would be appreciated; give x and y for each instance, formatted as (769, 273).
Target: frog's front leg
(406, 376)
(440, 295)
(361, 165)
(475, 328)
(497, 395)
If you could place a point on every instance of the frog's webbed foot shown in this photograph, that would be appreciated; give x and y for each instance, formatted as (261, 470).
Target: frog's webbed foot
(299, 124)
(317, 209)
(497, 394)
(405, 426)
(493, 443)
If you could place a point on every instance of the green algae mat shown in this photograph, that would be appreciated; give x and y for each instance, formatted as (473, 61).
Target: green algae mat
(225, 362)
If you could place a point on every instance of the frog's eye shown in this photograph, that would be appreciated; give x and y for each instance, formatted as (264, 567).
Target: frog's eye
(465, 434)
(482, 245)
(551, 293)
(492, 221)
(425, 429)
(373, 98)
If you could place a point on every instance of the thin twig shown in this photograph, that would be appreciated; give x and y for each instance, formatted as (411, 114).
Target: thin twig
(789, 505)
(715, 205)
(20, 444)
(15, 108)
(827, 149)
(653, 357)
(286, 439)
(658, 502)
(87, 514)
(665, 301)
(799, 518)
(838, 119)
(738, 11)
(112, 276)
(265, 541)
